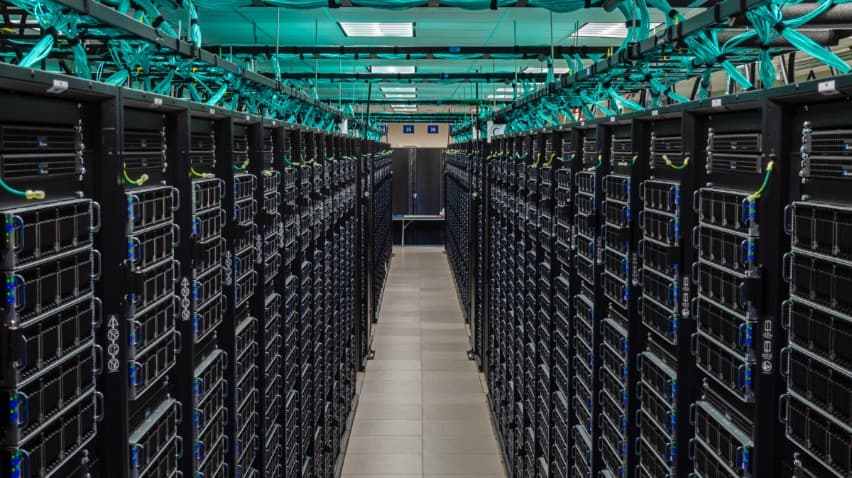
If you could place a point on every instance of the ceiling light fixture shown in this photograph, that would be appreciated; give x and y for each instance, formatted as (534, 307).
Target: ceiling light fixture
(500, 97)
(541, 70)
(605, 30)
(393, 69)
(403, 96)
(377, 29)
(399, 89)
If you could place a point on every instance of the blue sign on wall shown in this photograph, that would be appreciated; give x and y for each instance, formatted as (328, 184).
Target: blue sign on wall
(408, 129)
(432, 129)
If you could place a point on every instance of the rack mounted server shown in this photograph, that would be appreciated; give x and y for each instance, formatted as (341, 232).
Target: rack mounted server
(668, 296)
(188, 297)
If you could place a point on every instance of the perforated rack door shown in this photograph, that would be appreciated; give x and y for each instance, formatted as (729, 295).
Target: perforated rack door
(817, 317)
(735, 283)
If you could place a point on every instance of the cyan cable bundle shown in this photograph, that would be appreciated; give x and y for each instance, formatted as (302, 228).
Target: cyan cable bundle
(658, 88)
(128, 57)
(564, 6)
(566, 109)
(194, 28)
(152, 14)
(705, 46)
(637, 19)
(622, 101)
(588, 100)
(769, 24)
(55, 20)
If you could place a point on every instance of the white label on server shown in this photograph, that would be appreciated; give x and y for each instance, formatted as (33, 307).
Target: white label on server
(827, 87)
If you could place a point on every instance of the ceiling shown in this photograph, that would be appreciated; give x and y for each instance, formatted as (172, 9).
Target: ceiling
(435, 27)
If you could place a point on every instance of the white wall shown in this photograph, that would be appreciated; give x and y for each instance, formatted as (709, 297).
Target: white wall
(420, 138)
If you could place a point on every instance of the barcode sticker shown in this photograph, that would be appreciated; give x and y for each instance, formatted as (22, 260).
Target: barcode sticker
(716, 103)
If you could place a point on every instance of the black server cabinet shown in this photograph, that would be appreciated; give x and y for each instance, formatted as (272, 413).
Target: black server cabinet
(589, 302)
(379, 224)
(565, 282)
(620, 327)
(51, 258)
(817, 315)
(736, 303)
(458, 225)
(689, 315)
(664, 364)
(403, 167)
(149, 163)
(182, 322)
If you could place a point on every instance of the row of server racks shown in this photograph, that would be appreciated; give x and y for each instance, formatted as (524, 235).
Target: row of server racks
(187, 299)
(666, 293)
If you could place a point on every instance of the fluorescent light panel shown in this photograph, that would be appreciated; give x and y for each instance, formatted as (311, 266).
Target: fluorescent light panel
(605, 30)
(500, 97)
(399, 107)
(377, 29)
(399, 89)
(538, 69)
(506, 90)
(404, 96)
(393, 69)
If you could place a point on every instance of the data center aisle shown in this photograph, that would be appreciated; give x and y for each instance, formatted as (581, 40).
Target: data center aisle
(422, 410)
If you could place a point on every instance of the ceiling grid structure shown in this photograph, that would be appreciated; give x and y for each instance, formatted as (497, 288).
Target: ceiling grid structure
(485, 44)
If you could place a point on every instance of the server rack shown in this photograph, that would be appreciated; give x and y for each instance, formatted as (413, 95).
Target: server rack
(561, 362)
(676, 283)
(458, 224)
(146, 401)
(736, 292)
(379, 225)
(541, 190)
(467, 191)
(621, 332)
(185, 343)
(363, 242)
(50, 263)
(816, 317)
(667, 385)
(289, 284)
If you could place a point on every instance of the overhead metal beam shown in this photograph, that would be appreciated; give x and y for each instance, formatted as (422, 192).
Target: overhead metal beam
(824, 37)
(528, 52)
(471, 102)
(417, 117)
(838, 16)
(492, 4)
(506, 77)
